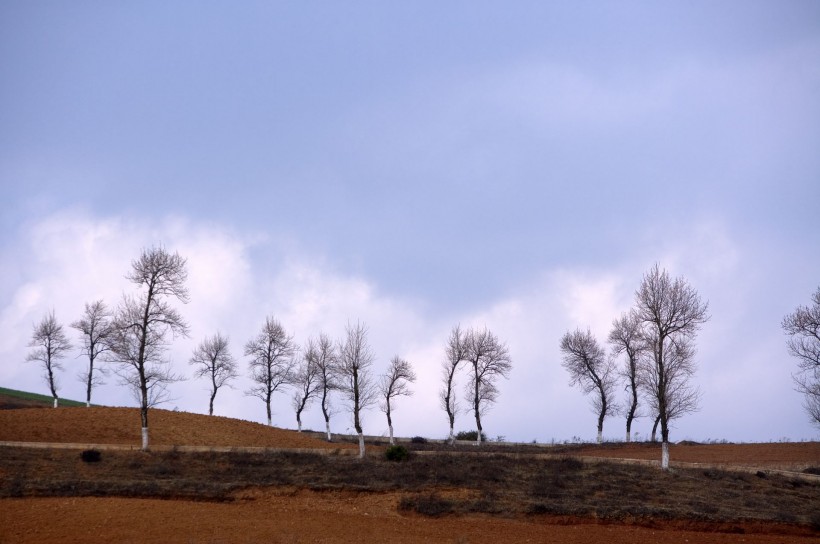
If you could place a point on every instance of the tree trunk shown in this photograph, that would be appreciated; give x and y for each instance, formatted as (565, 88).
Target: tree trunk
(56, 402)
(144, 418)
(361, 445)
(600, 436)
(88, 390)
(88, 404)
(211, 405)
(655, 429)
(628, 436)
(327, 427)
(665, 455)
(267, 405)
(389, 422)
(298, 422)
(452, 438)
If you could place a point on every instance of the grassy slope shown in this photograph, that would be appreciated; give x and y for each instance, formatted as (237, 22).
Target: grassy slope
(24, 398)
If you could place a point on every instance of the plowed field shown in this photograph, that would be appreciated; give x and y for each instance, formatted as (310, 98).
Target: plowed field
(287, 514)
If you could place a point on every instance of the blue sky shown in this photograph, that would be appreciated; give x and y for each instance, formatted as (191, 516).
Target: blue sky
(420, 165)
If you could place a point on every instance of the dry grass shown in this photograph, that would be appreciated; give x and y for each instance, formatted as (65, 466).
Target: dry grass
(493, 484)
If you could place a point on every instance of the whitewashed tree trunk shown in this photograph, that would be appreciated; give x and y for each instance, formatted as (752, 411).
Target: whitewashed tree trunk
(270, 422)
(361, 446)
(329, 436)
(56, 401)
(298, 425)
(600, 436)
(665, 455)
(392, 441)
(452, 438)
(88, 404)
(478, 438)
(145, 439)
(628, 436)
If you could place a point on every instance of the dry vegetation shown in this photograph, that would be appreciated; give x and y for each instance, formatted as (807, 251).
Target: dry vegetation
(436, 483)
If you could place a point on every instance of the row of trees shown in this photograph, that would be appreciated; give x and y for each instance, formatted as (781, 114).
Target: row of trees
(134, 339)
(656, 341)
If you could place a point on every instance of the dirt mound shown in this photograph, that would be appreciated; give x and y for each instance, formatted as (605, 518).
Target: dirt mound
(105, 425)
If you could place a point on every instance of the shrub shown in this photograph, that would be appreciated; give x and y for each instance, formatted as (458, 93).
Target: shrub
(91, 456)
(471, 436)
(396, 453)
(418, 440)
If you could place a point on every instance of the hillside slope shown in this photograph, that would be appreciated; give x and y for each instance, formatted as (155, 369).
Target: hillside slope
(104, 425)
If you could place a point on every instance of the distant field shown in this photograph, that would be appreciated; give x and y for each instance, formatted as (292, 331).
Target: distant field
(11, 398)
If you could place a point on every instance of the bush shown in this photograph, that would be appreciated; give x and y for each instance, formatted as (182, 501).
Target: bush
(418, 440)
(91, 456)
(396, 453)
(471, 436)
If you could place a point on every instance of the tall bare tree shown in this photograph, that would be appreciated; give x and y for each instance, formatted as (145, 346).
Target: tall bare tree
(671, 313)
(50, 345)
(305, 382)
(456, 353)
(395, 383)
(626, 338)
(214, 361)
(489, 359)
(682, 397)
(803, 329)
(591, 370)
(272, 360)
(326, 361)
(355, 379)
(142, 324)
(97, 332)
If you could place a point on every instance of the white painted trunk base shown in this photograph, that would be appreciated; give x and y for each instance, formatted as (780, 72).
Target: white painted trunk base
(628, 436)
(665, 456)
(145, 438)
(361, 446)
(327, 426)
(88, 404)
(392, 442)
(55, 402)
(600, 436)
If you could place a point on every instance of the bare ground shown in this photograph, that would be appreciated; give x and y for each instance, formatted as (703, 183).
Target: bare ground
(312, 502)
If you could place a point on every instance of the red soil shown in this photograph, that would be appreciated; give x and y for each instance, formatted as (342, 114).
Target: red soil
(292, 515)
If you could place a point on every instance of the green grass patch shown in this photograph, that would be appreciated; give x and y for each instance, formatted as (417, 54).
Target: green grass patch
(34, 398)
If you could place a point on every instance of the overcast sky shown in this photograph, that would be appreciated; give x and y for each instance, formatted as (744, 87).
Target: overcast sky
(415, 165)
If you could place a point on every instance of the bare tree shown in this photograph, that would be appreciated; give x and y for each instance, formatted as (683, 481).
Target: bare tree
(671, 313)
(97, 331)
(681, 397)
(326, 361)
(50, 345)
(803, 328)
(305, 380)
(395, 383)
(489, 359)
(272, 360)
(355, 380)
(626, 338)
(456, 352)
(589, 368)
(142, 325)
(214, 361)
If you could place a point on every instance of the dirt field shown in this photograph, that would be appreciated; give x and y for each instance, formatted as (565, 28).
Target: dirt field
(290, 515)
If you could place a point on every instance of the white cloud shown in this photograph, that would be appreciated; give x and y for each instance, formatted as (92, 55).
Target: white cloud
(71, 258)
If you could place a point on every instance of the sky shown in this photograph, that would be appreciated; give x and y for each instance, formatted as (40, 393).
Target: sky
(413, 166)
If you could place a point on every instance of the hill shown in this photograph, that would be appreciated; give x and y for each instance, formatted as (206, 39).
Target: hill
(12, 398)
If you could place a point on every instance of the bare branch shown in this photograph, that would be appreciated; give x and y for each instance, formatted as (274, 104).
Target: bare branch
(50, 345)
(272, 360)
